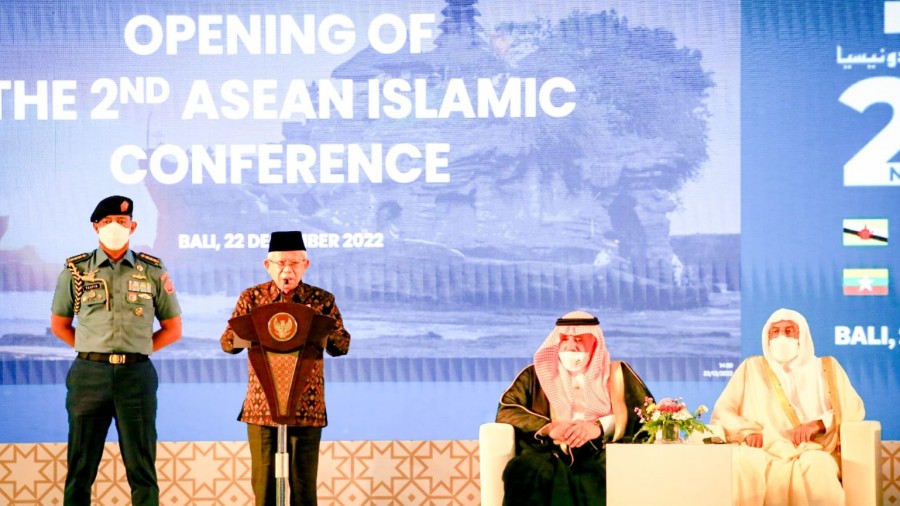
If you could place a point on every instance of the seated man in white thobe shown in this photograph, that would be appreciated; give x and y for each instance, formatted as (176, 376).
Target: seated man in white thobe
(785, 409)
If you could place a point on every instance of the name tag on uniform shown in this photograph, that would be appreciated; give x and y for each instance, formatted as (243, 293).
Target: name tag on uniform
(94, 291)
(93, 285)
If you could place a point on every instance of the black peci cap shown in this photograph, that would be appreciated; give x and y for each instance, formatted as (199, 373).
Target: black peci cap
(286, 241)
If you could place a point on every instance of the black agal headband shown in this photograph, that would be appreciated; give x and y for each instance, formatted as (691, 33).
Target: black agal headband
(562, 322)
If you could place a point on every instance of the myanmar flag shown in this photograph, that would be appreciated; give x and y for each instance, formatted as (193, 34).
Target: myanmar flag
(866, 232)
(865, 281)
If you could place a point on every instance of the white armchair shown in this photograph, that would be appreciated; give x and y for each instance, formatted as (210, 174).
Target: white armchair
(496, 446)
(860, 461)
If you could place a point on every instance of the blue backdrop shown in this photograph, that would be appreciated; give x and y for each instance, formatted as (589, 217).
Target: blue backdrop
(464, 172)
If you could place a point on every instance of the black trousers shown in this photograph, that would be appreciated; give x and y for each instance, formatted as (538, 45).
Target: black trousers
(543, 476)
(97, 394)
(303, 450)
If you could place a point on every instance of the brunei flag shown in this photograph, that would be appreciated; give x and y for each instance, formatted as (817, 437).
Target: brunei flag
(866, 232)
(865, 281)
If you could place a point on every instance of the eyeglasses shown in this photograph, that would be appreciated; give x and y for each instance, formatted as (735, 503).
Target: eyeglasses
(285, 264)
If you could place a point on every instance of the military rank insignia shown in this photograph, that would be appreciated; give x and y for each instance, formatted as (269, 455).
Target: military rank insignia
(150, 259)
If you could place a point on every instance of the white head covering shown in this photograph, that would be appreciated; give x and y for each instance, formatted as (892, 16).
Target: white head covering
(801, 378)
(557, 382)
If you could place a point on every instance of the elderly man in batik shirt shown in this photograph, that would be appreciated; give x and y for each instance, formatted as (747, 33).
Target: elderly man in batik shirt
(286, 263)
(785, 409)
(564, 407)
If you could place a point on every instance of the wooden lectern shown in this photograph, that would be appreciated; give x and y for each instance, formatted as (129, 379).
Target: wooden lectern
(286, 339)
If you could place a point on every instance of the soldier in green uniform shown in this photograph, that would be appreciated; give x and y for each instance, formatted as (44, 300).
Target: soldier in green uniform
(115, 294)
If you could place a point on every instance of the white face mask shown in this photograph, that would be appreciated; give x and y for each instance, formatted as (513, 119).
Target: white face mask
(573, 361)
(784, 349)
(114, 236)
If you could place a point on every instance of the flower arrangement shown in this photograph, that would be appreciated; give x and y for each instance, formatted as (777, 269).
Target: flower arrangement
(668, 418)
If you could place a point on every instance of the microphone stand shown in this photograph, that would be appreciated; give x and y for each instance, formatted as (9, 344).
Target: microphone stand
(281, 465)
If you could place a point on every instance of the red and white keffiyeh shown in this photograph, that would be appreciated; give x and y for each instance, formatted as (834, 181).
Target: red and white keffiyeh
(559, 384)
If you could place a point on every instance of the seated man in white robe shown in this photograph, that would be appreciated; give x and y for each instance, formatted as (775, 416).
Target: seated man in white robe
(785, 409)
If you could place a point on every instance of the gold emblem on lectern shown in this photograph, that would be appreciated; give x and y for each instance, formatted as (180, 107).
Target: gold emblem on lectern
(282, 326)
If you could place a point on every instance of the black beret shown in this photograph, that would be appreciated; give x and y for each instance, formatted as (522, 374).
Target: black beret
(286, 241)
(115, 204)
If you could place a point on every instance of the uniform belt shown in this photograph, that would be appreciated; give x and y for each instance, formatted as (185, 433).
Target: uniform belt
(113, 358)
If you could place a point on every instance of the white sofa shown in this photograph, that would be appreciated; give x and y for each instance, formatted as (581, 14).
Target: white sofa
(860, 460)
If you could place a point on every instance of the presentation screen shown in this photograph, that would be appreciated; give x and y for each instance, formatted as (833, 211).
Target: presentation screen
(464, 173)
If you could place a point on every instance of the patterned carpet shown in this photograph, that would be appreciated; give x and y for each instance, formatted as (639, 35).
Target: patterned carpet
(350, 473)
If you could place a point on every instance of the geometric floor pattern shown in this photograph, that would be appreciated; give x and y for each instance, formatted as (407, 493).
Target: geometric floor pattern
(371, 473)
(218, 474)
(890, 458)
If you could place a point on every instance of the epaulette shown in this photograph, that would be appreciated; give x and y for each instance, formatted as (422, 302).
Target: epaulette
(77, 258)
(150, 259)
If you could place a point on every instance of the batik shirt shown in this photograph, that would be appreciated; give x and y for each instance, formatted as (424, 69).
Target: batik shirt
(311, 410)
